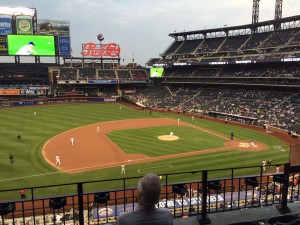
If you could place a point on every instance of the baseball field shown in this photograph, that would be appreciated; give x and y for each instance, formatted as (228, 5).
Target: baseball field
(143, 142)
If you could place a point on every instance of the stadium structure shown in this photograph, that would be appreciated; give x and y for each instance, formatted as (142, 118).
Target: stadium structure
(247, 75)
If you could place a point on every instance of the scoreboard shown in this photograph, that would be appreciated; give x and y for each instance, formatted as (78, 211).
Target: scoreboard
(22, 33)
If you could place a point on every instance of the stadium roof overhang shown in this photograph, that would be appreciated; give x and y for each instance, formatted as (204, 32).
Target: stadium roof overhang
(241, 27)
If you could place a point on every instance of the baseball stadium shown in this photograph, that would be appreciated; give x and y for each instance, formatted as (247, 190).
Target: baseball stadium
(216, 118)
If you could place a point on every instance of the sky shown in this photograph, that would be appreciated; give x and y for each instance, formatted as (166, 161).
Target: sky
(141, 27)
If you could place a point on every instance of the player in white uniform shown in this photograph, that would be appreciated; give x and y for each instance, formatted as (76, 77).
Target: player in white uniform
(123, 168)
(72, 140)
(27, 50)
(57, 159)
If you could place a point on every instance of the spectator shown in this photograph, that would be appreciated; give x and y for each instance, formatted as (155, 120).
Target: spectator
(148, 193)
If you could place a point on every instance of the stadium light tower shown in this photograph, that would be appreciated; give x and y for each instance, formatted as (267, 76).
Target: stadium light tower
(278, 14)
(255, 11)
(278, 9)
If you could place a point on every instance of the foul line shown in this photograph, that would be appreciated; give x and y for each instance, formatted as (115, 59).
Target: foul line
(155, 167)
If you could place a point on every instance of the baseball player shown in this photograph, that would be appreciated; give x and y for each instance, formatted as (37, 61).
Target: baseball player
(57, 160)
(122, 168)
(178, 121)
(72, 140)
(98, 129)
(264, 162)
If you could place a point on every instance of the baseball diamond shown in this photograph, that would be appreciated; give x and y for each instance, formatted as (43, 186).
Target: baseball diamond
(128, 136)
(93, 151)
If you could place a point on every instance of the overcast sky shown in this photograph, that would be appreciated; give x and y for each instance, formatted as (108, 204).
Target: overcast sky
(142, 27)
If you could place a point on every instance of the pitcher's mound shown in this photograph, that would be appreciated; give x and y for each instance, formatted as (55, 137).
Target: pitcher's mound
(168, 138)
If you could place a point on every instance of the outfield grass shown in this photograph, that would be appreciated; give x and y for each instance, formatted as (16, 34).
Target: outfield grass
(30, 169)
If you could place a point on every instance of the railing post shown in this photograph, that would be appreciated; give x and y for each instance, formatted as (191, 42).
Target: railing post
(283, 208)
(80, 203)
(202, 218)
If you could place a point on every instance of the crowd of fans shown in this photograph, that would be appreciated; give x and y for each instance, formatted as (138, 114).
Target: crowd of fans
(279, 109)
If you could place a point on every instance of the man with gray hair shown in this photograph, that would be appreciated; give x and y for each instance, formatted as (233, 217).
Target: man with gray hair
(148, 193)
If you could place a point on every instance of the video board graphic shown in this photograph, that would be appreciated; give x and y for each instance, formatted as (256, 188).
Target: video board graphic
(156, 72)
(31, 45)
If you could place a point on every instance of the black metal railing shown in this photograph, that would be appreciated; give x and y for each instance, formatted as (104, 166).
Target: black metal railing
(197, 193)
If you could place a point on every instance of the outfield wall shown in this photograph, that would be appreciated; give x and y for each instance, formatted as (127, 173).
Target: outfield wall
(57, 100)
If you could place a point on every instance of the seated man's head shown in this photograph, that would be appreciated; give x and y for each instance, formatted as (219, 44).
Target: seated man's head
(149, 188)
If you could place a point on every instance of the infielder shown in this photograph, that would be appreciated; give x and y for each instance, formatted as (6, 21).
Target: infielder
(57, 160)
(98, 129)
(178, 121)
(72, 140)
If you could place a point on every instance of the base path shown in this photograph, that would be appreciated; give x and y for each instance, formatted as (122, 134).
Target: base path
(93, 150)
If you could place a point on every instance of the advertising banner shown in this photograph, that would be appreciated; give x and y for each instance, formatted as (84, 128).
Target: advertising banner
(102, 81)
(33, 92)
(9, 91)
(3, 45)
(95, 50)
(24, 26)
(64, 45)
(178, 204)
(5, 25)
(23, 91)
(24, 103)
(104, 99)
(53, 27)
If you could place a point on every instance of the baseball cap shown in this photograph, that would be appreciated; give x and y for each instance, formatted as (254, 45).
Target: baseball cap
(31, 43)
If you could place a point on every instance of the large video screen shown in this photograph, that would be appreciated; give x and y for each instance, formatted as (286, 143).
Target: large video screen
(156, 72)
(31, 45)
